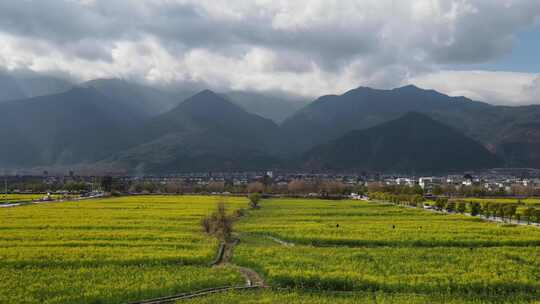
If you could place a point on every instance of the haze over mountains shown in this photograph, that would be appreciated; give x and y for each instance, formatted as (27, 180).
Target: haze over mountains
(12, 88)
(133, 128)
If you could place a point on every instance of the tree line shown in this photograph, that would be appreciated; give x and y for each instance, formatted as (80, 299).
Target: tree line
(504, 211)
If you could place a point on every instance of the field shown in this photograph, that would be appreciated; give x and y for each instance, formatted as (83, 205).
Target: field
(535, 202)
(107, 251)
(308, 251)
(12, 198)
(400, 254)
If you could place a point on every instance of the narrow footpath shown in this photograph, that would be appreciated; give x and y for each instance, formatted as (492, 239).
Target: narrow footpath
(224, 257)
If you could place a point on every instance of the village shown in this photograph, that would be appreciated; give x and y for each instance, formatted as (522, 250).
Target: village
(502, 182)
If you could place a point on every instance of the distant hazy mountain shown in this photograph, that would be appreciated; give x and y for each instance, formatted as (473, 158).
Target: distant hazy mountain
(43, 85)
(145, 101)
(274, 108)
(115, 123)
(413, 143)
(80, 125)
(500, 129)
(9, 88)
(205, 132)
(13, 88)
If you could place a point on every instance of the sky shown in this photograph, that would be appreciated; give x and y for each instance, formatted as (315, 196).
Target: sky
(483, 49)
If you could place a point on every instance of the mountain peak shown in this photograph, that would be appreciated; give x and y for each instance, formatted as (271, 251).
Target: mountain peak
(207, 92)
(412, 142)
(207, 98)
(409, 87)
(403, 89)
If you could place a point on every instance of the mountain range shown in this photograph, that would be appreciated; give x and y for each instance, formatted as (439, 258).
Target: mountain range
(113, 123)
(513, 133)
(411, 143)
(205, 132)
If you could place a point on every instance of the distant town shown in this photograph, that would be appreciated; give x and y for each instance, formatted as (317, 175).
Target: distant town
(495, 182)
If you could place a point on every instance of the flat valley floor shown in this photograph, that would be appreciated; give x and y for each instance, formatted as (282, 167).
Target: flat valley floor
(126, 249)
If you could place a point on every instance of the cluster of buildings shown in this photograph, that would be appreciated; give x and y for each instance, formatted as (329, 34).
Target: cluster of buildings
(506, 180)
(488, 182)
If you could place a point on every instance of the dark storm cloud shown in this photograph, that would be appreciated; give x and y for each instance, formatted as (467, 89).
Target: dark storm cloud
(481, 34)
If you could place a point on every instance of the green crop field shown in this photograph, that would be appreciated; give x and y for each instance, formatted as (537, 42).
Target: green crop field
(525, 202)
(13, 198)
(309, 251)
(400, 254)
(108, 251)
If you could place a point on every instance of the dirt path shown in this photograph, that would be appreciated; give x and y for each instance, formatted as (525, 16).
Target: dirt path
(223, 258)
(195, 294)
(225, 252)
(251, 277)
(281, 242)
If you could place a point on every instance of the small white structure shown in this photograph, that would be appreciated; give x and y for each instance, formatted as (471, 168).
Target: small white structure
(356, 196)
(427, 183)
(402, 181)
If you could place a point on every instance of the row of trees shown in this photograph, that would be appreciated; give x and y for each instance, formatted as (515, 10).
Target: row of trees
(480, 191)
(35, 186)
(505, 211)
(373, 187)
(413, 200)
(294, 187)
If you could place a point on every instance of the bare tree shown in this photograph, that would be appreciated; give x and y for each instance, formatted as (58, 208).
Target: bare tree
(332, 187)
(173, 187)
(216, 186)
(219, 223)
(256, 187)
(297, 186)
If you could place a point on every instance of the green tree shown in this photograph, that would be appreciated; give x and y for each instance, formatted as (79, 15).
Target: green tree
(451, 206)
(537, 215)
(461, 207)
(475, 208)
(509, 211)
(254, 199)
(418, 190)
(499, 211)
(493, 209)
(440, 203)
(486, 209)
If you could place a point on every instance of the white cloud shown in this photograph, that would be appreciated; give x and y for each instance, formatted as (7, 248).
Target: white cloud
(309, 47)
(493, 87)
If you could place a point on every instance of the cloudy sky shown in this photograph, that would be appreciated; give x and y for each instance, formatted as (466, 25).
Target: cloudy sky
(484, 49)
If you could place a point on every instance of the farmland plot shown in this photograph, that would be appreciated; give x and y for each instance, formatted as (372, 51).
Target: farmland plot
(108, 251)
(309, 251)
(398, 254)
